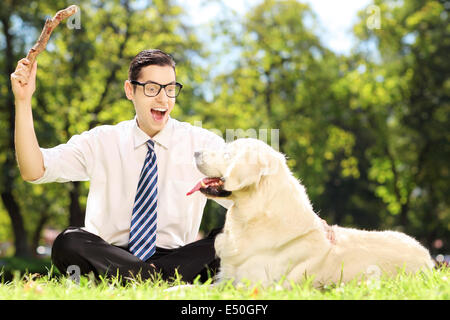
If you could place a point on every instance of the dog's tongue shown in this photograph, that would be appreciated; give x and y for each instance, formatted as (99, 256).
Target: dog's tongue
(203, 183)
(196, 188)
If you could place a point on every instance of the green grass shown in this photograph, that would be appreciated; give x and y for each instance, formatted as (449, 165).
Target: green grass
(432, 284)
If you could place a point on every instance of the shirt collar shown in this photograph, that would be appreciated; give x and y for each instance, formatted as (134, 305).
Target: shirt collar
(162, 137)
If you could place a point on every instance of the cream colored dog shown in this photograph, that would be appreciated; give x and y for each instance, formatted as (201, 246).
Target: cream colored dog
(271, 231)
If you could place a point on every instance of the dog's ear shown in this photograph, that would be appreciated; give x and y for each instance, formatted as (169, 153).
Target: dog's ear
(249, 166)
(241, 172)
(269, 162)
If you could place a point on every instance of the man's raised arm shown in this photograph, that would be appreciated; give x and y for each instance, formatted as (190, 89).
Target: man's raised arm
(29, 156)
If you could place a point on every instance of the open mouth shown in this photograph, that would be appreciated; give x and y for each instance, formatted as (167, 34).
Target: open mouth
(158, 113)
(211, 187)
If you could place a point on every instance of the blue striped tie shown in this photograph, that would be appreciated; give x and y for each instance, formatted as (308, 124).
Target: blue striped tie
(143, 220)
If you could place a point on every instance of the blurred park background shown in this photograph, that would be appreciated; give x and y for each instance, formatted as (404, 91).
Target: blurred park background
(362, 113)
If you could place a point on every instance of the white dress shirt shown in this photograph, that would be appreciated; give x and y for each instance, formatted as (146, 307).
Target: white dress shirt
(112, 156)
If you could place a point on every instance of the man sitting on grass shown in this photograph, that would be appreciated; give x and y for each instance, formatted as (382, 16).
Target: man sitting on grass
(139, 220)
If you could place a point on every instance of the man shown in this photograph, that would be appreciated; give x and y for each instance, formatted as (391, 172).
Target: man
(138, 217)
(162, 221)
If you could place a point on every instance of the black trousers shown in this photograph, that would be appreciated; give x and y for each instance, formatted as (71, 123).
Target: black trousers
(90, 253)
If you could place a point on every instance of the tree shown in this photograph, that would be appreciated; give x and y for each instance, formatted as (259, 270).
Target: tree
(406, 100)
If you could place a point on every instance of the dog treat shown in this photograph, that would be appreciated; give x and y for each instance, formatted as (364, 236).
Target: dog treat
(50, 24)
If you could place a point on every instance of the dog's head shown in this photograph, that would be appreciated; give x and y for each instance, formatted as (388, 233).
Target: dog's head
(239, 166)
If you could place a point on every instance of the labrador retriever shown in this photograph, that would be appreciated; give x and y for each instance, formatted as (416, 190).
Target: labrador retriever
(271, 231)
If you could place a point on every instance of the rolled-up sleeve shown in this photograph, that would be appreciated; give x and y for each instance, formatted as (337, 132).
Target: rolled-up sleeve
(72, 161)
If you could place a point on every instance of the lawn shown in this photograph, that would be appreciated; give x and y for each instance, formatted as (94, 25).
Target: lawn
(433, 284)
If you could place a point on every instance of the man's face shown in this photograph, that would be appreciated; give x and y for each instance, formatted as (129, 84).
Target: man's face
(149, 113)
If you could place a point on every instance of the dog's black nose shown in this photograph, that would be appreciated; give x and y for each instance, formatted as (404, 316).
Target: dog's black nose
(197, 154)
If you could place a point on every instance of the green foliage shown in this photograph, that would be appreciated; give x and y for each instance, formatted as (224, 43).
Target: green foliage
(15, 266)
(407, 105)
(5, 227)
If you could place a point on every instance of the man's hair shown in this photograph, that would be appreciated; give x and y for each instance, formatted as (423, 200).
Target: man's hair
(147, 58)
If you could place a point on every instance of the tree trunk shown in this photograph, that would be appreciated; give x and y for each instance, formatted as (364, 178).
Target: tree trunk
(274, 123)
(76, 217)
(20, 235)
(9, 167)
(37, 232)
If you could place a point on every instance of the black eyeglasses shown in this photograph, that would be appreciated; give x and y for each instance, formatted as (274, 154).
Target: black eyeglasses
(152, 89)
